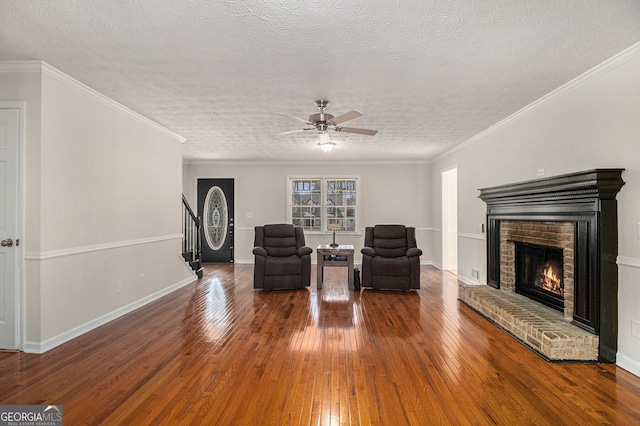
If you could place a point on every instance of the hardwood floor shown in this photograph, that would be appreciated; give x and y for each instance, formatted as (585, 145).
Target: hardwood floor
(219, 353)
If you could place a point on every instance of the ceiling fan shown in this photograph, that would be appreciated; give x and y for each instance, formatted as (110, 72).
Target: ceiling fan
(323, 123)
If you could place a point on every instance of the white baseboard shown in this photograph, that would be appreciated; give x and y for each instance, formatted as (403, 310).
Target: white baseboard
(46, 345)
(469, 280)
(632, 366)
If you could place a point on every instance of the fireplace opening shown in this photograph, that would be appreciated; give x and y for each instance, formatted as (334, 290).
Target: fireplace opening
(540, 273)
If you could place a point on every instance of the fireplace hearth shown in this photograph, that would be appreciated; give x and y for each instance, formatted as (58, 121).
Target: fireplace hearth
(573, 218)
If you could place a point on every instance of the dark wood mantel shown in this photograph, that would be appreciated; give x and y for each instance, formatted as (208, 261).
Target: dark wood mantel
(587, 198)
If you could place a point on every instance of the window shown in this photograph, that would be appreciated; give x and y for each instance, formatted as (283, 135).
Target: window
(306, 203)
(324, 204)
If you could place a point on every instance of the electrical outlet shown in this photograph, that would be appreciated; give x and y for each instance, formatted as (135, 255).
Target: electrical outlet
(475, 274)
(141, 280)
(540, 172)
(635, 328)
(119, 287)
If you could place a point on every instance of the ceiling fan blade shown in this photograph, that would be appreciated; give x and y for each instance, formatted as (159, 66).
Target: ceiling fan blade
(367, 132)
(297, 130)
(294, 118)
(346, 117)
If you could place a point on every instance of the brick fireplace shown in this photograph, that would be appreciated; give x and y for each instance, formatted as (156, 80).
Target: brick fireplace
(576, 215)
(543, 234)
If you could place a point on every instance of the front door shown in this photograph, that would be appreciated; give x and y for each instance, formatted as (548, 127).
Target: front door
(215, 207)
(9, 120)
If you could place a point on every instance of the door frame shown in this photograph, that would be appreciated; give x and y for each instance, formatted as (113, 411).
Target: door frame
(446, 197)
(20, 278)
(194, 200)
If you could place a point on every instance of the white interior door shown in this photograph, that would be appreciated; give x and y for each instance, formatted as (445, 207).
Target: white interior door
(9, 125)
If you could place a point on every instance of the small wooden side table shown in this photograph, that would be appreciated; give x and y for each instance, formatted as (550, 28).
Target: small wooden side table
(335, 256)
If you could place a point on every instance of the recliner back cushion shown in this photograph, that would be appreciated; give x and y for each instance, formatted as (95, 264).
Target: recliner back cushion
(280, 240)
(390, 240)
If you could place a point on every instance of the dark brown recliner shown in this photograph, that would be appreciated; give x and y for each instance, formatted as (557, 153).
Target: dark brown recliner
(282, 261)
(390, 258)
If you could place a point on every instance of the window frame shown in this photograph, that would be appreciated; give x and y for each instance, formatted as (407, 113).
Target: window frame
(324, 205)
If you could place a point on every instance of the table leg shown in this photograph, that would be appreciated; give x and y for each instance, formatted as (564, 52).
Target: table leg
(320, 274)
(350, 270)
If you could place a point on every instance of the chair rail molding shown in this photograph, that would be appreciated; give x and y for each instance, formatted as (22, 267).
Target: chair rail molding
(72, 251)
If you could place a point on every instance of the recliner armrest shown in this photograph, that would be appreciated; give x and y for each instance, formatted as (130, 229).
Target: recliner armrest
(413, 252)
(369, 251)
(304, 250)
(260, 251)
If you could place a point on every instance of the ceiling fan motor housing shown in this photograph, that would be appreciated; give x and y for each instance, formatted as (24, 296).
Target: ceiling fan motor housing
(320, 120)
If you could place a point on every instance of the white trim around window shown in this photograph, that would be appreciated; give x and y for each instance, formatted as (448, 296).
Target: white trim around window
(319, 202)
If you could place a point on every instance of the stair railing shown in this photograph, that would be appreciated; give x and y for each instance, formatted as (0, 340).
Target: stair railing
(191, 244)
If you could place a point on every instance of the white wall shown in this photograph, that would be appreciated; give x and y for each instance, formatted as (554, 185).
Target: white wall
(389, 193)
(102, 207)
(593, 122)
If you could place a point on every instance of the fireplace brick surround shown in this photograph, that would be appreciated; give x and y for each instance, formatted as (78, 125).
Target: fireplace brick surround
(552, 234)
(575, 212)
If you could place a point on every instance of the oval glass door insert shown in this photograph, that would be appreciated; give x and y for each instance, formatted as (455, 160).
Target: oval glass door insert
(215, 218)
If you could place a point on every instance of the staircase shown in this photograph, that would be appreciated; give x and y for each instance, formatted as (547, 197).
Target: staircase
(191, 238)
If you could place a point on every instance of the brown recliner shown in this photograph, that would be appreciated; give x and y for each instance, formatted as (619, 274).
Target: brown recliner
(282, 261)
(390, 258)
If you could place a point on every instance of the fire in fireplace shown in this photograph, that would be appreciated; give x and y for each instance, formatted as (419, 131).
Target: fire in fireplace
(539, 273)
(548, 280)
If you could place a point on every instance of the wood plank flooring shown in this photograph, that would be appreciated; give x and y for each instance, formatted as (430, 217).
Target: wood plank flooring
(219, 353)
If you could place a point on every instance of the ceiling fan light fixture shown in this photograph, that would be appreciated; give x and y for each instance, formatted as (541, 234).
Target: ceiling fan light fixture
(326, 146)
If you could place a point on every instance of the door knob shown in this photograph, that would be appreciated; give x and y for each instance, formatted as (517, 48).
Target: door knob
(6, 243)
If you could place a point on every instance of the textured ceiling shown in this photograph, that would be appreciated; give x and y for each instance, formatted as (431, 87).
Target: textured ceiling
(427, 74)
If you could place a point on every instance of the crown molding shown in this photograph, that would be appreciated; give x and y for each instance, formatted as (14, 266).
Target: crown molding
(60, 77)
(594, 73)
(303, 163)
(21, 66)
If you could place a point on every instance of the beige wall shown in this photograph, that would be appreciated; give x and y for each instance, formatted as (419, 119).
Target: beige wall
(103, 210)
(593, 122)
(389, 193)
